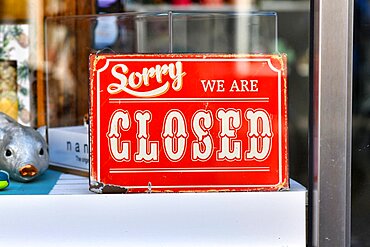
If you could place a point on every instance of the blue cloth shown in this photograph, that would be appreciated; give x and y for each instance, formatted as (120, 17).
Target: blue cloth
(41, 186)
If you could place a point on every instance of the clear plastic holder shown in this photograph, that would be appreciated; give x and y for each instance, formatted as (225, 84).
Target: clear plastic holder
(69, 40)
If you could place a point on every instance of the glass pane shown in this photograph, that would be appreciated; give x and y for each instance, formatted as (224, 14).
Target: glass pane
(361, 127)
(224, 29)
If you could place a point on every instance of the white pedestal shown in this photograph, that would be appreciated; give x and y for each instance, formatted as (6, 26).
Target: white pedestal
(188, 219)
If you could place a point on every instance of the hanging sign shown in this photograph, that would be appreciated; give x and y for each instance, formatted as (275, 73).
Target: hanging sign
(175, 123)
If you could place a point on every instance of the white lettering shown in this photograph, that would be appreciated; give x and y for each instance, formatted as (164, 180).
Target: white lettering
(230, 122)
(174, 135)
(253, 87)
(120, 150)
(210, 84)
(234, 87)
(202, 147)
(147, 150)
(244, 86)
(259, 134)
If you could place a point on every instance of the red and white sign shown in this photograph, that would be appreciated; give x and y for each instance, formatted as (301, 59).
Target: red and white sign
(188, 123)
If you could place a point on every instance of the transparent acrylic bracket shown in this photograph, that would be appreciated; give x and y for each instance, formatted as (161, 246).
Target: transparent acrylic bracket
(177, 31)
(208, 32)
(223, 32)
(69, 40)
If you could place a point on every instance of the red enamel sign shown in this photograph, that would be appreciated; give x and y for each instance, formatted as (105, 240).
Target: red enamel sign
(188, 123)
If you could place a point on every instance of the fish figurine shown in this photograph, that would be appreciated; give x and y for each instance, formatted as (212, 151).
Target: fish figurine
(4, 179)
(23, 150)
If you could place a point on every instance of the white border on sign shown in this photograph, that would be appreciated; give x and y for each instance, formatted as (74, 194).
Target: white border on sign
(121, 100)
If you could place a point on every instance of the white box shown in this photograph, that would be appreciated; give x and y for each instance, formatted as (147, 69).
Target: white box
(69, 147)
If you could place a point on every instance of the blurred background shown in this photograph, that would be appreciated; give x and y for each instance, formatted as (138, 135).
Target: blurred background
(361, 126)
(45, 44)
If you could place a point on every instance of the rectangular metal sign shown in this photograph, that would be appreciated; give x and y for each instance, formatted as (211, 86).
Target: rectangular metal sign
(173, 123)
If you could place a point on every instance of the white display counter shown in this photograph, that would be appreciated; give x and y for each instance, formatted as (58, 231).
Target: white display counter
(71, 216)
